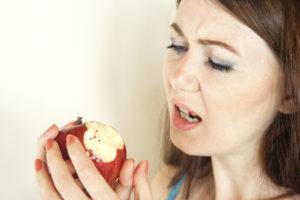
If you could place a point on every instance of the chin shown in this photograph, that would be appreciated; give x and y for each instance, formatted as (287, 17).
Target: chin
(188, 145)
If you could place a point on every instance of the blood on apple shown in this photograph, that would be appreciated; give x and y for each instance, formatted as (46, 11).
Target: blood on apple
(102, 143)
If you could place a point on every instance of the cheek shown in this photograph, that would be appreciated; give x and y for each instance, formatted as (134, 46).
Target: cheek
(242, 107)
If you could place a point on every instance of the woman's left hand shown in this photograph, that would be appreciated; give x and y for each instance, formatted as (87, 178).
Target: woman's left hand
(55, 180)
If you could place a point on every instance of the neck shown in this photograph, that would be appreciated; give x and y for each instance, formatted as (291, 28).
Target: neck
(240, 176)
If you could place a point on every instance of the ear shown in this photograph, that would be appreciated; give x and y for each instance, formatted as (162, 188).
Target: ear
(288, 105)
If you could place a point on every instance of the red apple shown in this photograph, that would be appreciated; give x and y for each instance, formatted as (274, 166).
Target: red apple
(102, 143)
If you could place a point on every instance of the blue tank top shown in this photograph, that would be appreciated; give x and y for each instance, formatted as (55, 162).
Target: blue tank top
(175, 189)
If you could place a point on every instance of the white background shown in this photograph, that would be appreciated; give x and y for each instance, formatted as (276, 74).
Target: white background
(59, 59)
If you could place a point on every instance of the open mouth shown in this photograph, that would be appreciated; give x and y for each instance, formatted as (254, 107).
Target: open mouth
(187, 115)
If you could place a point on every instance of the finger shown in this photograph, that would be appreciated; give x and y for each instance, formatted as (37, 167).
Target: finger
(51, 132)
(141, 184)
(78, 182)
(73, 172)
(71, 167)
(125, 183)
(90, 177)
(45, 184)
(62, 178)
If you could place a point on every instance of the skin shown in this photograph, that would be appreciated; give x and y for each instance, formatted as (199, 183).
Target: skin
(61, 185)
(236, 107)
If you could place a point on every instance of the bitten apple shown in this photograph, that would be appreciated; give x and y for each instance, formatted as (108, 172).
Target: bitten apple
(102, 143)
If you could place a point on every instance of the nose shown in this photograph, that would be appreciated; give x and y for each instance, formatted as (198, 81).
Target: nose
(184, 78)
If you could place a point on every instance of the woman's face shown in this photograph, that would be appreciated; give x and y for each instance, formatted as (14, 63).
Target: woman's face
(237, 101)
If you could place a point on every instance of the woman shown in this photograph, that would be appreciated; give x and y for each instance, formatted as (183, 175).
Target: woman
(232, 123)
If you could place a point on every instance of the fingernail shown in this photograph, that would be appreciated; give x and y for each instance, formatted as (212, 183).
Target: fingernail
(70, 139)
(49, 144)
(146, 167)
(38, 165)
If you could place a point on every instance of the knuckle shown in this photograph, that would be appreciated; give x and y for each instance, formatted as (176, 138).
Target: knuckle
(40, 140)
(51, 132)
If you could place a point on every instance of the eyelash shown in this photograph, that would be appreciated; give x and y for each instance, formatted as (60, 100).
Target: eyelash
(214, 65)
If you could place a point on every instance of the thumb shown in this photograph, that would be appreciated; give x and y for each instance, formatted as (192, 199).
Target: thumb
(142, 189)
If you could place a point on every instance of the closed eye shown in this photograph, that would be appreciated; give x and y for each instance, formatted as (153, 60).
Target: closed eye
(177, 49)
(214, 65)
(219, 67)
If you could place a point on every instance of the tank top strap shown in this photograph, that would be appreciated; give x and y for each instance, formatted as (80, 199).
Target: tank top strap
(175, 188)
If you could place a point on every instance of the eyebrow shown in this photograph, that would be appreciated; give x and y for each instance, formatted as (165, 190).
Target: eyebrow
(207, 41)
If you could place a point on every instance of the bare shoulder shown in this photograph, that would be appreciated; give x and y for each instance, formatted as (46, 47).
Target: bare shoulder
(161, 180)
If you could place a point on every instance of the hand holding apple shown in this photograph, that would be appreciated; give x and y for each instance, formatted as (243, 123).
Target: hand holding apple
(102, 143)
(55, 181)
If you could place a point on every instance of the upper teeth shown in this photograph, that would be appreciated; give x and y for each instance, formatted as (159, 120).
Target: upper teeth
(184, 111)
(185, 114)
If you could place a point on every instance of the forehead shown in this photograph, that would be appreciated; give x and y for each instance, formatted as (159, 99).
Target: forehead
(208, 19)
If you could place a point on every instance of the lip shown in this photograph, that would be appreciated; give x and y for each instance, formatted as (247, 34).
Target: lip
(182, 124)
(182, 105)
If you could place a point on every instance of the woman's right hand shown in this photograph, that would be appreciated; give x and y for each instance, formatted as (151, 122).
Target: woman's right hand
(130, 177)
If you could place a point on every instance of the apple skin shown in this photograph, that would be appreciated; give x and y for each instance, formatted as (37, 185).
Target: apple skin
(109, 170)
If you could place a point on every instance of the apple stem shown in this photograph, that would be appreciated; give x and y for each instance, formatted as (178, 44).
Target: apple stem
(79, 120)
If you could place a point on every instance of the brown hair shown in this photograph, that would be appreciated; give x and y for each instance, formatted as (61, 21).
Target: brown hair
(277, 22)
